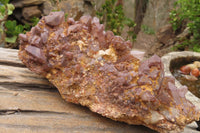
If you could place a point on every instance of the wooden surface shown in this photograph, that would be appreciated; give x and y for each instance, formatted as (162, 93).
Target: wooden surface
(30, 104)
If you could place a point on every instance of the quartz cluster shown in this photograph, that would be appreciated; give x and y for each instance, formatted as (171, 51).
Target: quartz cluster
(95, 68)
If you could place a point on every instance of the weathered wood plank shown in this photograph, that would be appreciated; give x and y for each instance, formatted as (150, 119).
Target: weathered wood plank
(12, 74)
(58, 123)
(30, 104)
(9, 56)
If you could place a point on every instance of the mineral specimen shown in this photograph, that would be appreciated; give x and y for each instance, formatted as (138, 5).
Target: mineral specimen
(95, 68)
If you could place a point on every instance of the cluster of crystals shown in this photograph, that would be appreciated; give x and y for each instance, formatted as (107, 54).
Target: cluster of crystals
(94, 68)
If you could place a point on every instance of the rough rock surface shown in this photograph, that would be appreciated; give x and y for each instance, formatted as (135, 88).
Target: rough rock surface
(94, 68)
(164, 42)
(165, 34)
(157, 13)
(24, 3)
(30, 12)
(27, 9)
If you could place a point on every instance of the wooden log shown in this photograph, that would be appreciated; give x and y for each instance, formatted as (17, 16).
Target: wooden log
(29, 103)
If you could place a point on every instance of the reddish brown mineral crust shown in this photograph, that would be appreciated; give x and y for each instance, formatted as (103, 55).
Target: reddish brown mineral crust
(96, 69)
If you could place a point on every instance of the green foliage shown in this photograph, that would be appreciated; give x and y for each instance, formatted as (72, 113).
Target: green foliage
(13, 28)
(66, 15)
(35, 20)
(188, 11)
(4, 2)
(27, 27)
(182, 45)
(175, 20)
(5, 8)
(11, 39)
(10, 8)
(114, 19)
(147, 30)
(10, 29)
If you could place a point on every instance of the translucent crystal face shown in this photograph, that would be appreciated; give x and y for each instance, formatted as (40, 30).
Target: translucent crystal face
(94, 68)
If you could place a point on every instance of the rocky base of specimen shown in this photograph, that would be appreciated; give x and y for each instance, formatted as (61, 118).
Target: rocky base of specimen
(97, 69)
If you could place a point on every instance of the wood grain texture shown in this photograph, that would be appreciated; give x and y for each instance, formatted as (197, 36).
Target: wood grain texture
(30, 104)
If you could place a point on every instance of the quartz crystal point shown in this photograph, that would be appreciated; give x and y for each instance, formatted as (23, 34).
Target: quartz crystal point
(95, 68)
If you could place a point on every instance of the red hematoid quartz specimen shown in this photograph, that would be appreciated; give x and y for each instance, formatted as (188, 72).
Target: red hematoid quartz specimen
(95, 68)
